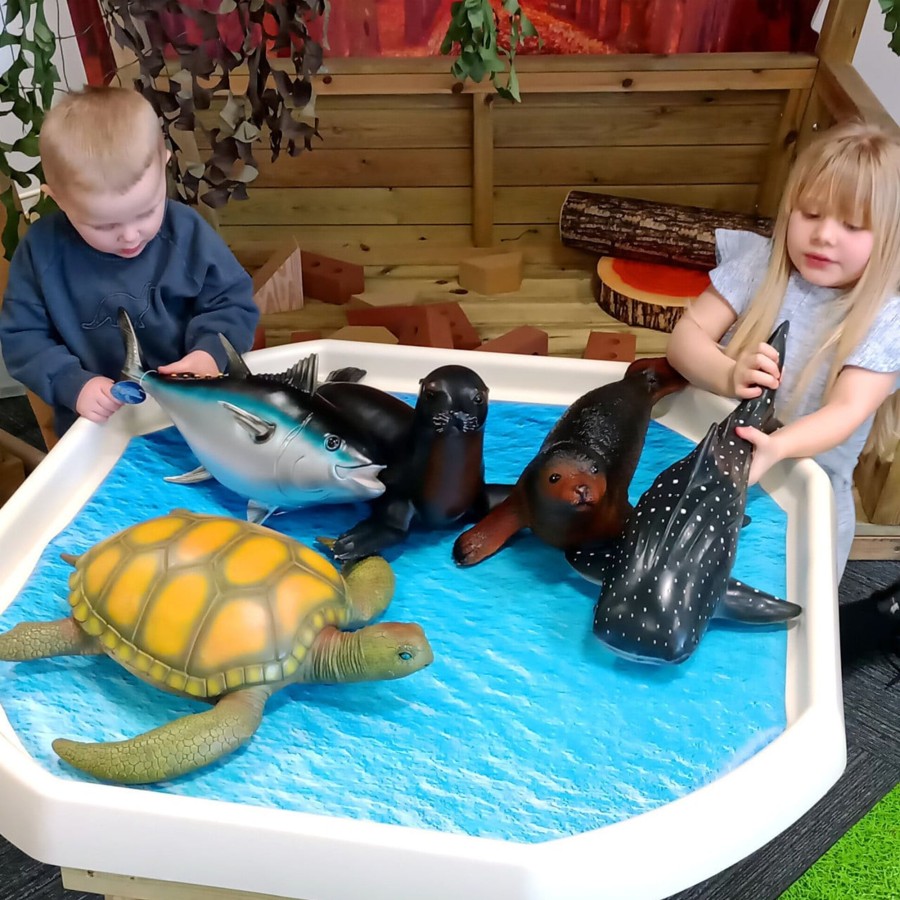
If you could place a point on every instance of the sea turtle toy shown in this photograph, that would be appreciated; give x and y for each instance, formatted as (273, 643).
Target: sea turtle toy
(222, 610)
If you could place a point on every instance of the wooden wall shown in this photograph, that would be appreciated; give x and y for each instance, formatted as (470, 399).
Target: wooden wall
(410, 170)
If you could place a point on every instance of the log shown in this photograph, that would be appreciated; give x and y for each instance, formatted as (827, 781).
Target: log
(647, 295)
(644, 230)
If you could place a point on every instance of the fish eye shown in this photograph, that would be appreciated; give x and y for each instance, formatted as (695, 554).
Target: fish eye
(332, 442)
(554, 478)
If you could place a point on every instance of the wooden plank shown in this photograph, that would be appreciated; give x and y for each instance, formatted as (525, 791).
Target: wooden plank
(876, 542)
(337, 206)
(542, 204)
(395, 245)
(482, 170)
(841, 30)
(781, 153)
(847, 96)
(740, 164)
(610, 103)
(397, 167)
(128, 887)
(636, 125)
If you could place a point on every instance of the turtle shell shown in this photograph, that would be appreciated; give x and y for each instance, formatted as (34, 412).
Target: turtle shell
(204, 605)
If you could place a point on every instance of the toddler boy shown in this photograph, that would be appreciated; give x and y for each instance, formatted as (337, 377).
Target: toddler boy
(116, 242)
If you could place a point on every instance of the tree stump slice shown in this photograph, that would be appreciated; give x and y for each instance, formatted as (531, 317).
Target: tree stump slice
(647, 295)
(627, 228)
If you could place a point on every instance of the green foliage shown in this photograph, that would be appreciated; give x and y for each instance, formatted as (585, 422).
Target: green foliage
(891, 10)
(26, 92)
(474, 30)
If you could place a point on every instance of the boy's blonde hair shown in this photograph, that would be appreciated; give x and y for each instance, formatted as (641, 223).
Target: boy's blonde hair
(852, 171)
(100, 138)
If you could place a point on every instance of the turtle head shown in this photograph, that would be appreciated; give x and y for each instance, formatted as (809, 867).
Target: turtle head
(393, 650)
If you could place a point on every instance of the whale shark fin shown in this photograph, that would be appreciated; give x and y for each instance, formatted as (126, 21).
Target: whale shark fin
(591, 562)
(195, 476)
(237, 368)
(258, 428)
(742, 603)
(348, 373)
(257, 512)
(133, 367)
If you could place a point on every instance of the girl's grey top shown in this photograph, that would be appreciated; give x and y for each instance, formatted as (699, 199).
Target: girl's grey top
(814, 312)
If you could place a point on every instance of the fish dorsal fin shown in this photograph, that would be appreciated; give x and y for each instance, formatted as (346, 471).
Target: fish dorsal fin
(257, 512)
(237, 368)
(257, 427)
(133, 366)
(302, 376)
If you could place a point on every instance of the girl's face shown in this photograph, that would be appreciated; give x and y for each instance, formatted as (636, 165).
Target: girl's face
(825, 250)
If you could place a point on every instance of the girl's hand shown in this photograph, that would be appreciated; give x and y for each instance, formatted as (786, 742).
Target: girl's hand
(755, 370)
(95, 402)
(197, 362)
(766, 451)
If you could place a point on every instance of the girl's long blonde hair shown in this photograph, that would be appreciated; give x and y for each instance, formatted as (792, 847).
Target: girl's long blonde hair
(852, 171)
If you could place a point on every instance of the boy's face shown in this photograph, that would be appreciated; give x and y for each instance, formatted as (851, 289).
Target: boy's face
(121, 224)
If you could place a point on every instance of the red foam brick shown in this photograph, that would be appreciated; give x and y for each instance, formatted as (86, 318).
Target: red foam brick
(618, 346)
(525, 339)
(259, 338)
(400, 319)
(330, 280)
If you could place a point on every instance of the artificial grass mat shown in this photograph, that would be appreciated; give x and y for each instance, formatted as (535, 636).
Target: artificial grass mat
(863, 865)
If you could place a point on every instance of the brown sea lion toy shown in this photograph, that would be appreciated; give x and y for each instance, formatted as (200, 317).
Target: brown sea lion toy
(574, 492)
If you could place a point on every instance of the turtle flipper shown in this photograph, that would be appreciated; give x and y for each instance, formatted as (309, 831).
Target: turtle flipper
(489, 535)
(173, 749)
(40, 640)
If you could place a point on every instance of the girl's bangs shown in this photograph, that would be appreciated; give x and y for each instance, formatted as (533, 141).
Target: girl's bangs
(839, 187)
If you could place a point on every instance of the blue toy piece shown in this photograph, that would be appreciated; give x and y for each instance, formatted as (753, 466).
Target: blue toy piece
(669, 575)
(128, 392)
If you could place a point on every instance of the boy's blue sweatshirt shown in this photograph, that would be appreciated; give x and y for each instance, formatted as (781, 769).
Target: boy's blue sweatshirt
(58, 320)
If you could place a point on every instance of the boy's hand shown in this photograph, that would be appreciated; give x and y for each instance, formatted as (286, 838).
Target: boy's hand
(765, 451)
(95, 402)
(197, 362)
(755, 370)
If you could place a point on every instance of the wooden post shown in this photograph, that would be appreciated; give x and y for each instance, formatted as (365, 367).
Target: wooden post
(841, 30)
(781, 153)
(482, 170)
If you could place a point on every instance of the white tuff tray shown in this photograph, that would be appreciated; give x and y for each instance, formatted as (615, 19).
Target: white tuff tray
(300, 855)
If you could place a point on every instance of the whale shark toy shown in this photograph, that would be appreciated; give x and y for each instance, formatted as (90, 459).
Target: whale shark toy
(669, 574)
(269, 438)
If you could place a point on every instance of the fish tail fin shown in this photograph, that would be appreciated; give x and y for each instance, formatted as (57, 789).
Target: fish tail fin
(661, 378)
(133, 367)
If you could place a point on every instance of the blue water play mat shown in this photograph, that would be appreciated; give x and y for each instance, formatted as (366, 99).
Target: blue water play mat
(525, 728)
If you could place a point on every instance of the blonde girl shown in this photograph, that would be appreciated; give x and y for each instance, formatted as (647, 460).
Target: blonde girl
(832, 268)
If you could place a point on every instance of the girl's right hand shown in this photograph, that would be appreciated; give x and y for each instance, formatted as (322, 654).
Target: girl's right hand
(755, 370)
(95, 402)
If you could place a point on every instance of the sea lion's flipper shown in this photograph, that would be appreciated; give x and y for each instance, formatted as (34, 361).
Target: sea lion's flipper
(257, 427)
(257, 512)
(747, 521)
(591, 562)
(489, 535)
(388, 525)
(746, 604)
(237, 368)
(195, 476)
(348, 374)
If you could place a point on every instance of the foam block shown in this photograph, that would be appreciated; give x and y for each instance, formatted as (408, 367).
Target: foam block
(492, 274)
(614, 345)
(400, 319)
(331, 280)
(369, 334)
(259, 338)
(525, 339)
(298, 337)
(278, 283)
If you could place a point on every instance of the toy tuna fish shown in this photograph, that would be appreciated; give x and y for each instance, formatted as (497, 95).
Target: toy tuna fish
(269, 438)
(669, 575)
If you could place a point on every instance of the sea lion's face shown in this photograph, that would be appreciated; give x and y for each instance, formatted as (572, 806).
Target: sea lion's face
(572, 482)
(453, 397)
